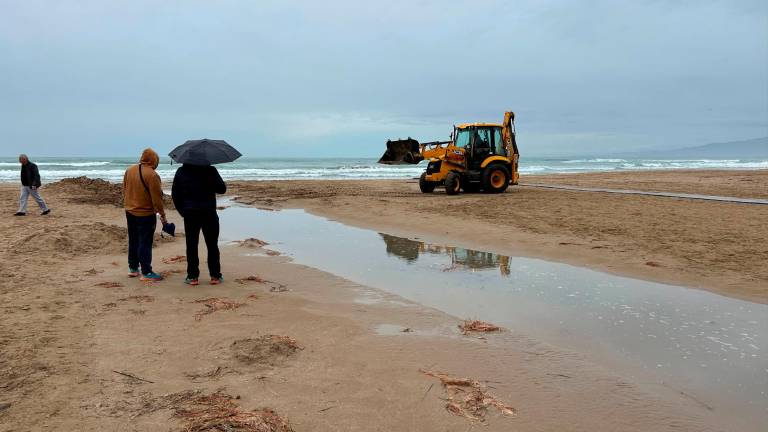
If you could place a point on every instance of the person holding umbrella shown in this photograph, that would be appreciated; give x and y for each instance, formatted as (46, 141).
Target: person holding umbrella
(194, 190)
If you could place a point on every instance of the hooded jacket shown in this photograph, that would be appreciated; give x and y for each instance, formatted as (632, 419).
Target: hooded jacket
(143, 199)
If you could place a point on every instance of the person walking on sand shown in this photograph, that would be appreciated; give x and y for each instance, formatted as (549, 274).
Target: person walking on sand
(143, 199)
(30, 183)
(194, 195)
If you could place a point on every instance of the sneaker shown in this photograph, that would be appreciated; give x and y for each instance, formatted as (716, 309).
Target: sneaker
(192, 281)
(133, 272)
(151, 276)
(217, 280)
(45, 212)
(19, 214)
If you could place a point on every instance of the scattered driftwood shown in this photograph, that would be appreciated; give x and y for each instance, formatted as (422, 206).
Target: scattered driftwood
(92, 272)
(467, 398)
(477, 326)
(211, 374)
(252, 243)
(652, 264)
(174, 259)
(138, 298)
(109, 285)
(271, 252)
(219, 412)
(214, 304)
(251, 278)
(110, 305)
(253, 296)
(130, 375)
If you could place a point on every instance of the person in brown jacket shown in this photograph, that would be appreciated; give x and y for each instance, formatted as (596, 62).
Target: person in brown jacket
(143, 200)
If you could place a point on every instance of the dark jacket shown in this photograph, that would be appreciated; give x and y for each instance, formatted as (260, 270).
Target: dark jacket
(30, 176)
(195, 188)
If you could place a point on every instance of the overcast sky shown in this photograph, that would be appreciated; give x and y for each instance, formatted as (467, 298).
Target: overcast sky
(337, 78)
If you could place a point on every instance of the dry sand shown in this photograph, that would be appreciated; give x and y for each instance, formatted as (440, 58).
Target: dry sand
(64, 338)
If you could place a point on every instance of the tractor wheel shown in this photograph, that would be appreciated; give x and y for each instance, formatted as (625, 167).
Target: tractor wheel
(425, 185)
(452, 183)
(468, 187)
(495, 178)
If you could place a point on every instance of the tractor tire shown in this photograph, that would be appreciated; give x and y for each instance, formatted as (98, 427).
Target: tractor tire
(495, 178)
(468, 187)
(425, 185)
(452, 183)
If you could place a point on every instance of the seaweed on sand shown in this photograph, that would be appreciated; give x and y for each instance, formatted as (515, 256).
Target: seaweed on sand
(219, 412)
(214, 304)
(467, 398)
(477, 326)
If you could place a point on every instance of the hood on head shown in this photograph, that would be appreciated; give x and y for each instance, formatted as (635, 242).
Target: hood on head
(150, 157)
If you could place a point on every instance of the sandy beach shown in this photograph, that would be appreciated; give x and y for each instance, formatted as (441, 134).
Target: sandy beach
(86, 348)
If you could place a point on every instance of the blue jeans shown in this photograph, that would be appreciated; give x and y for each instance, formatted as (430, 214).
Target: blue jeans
(141, 232)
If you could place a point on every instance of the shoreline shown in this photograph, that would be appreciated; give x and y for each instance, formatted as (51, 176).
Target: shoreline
(63, 336)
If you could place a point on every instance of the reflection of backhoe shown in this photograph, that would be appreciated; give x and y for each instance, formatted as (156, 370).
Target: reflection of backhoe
(461, 258)
(479, 156)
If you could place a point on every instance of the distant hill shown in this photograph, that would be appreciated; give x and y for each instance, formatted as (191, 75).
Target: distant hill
(749, 149)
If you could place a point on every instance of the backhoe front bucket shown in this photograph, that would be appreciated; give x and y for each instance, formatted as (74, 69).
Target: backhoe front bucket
(401, 152)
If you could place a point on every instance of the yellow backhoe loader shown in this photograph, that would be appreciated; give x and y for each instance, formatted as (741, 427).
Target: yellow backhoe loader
(479, 157)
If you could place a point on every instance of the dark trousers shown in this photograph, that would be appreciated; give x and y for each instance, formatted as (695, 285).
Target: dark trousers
(208, 222)
(141, 232)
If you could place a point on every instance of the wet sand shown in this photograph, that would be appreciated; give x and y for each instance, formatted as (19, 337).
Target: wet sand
(63, 337)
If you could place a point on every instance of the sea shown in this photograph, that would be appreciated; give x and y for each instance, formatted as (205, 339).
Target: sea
(56, 168)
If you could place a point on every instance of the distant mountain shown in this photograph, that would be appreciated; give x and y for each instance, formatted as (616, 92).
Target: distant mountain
(749, 149)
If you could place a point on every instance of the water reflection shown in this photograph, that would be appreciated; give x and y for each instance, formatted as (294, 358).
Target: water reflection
(461, 259)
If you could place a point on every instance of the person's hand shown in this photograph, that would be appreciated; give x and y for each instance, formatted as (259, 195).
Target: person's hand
(33, 187)
(163, 219)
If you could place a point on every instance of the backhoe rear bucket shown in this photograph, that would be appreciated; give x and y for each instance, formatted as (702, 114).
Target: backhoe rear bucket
(401, 152)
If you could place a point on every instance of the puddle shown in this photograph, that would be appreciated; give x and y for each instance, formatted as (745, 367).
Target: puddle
(709, 346)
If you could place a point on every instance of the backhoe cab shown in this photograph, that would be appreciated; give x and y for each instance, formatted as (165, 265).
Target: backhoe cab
(479, 157)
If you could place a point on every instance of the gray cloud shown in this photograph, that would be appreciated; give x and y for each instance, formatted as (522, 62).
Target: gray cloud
(338, 78)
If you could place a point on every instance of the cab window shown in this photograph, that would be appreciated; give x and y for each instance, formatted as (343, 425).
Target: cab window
(462, 138)
(498, 142)
(482, 139)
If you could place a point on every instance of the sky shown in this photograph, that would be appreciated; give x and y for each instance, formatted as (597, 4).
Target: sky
(338, 78)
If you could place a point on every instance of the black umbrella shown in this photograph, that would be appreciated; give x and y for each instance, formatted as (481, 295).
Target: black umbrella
(204, 152)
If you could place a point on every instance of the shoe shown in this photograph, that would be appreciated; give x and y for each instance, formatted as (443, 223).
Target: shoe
(217, 280)
(45, 212)
(133, 272)
(151, 276)
(192, 281)
(19, 214)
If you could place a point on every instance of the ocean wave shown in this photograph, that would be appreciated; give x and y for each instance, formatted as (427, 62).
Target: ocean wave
(62, 164)
(573, 161)
(363, 169)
